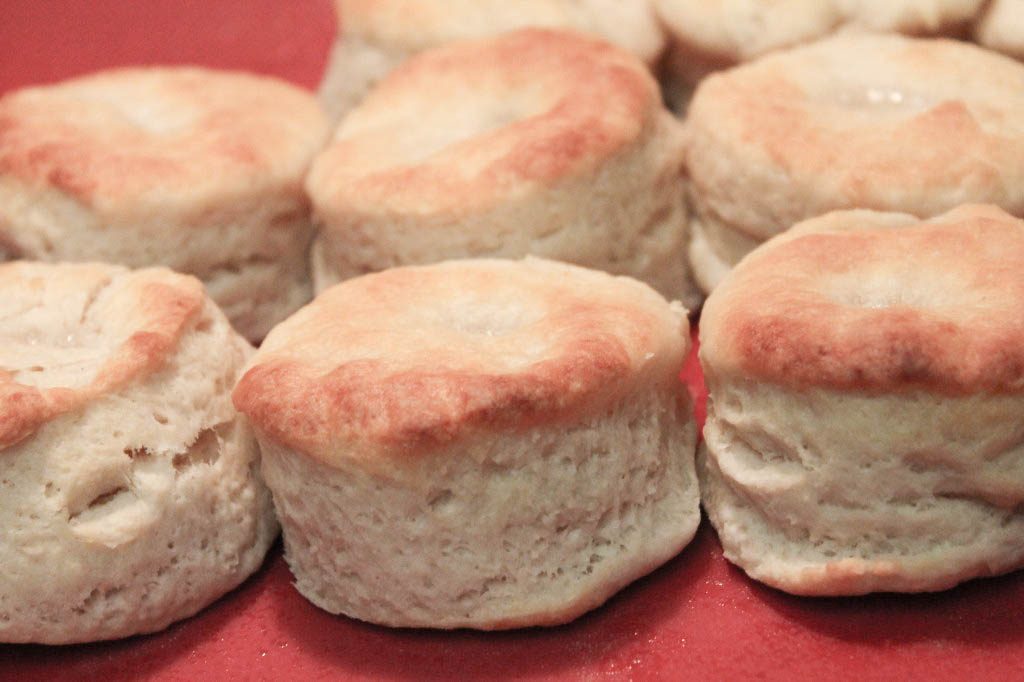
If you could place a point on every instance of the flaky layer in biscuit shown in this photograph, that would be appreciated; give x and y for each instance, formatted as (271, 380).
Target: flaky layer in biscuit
(866, 382)
(130, 484)
(484, 443)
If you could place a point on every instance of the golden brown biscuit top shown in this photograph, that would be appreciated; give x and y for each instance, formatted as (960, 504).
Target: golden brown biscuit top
(858, 300)
(859, 121)
(158, 135)
(409, 359)
(72, 333)
(465, 125)
(414, 25)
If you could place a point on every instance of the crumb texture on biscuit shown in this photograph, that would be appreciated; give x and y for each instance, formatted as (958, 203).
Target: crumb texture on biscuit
(824, 492)
(131, 491)
(524, 529)
(494, 343)
(885, 304)
(477, 443)
(73, 333)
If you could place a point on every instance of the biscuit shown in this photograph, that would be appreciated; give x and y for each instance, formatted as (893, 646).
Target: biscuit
(375, 36)
(194, 169)
(866, 381)
(1001, 27)
(130, 492)
(549, 143)
(708, 35)
(478, 443)
(855, 121)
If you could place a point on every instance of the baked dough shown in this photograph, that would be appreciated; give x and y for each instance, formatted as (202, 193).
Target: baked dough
(858, 121)
(549, 143)
(480, 443)
(131, 497)
(866, 381)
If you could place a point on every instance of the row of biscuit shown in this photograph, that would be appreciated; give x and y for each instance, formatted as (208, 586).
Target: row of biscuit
(682, 40)
(548, 145)
(493, 443)
(478, 443)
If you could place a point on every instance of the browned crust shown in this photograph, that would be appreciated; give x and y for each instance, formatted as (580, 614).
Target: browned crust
(309, 390)
(864, 159)
(79, 137)
(164, 306)
(774, 142)
(417, 409)
(25, 408)
(776, 318)
(595, 100)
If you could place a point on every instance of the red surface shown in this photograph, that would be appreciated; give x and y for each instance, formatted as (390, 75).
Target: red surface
(696, 617)
(46, 40)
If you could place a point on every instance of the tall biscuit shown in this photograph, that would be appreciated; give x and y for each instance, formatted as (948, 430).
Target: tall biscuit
(866, 381)
(477, 443)
(886, 123)
(131, 497)
(549, 143)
